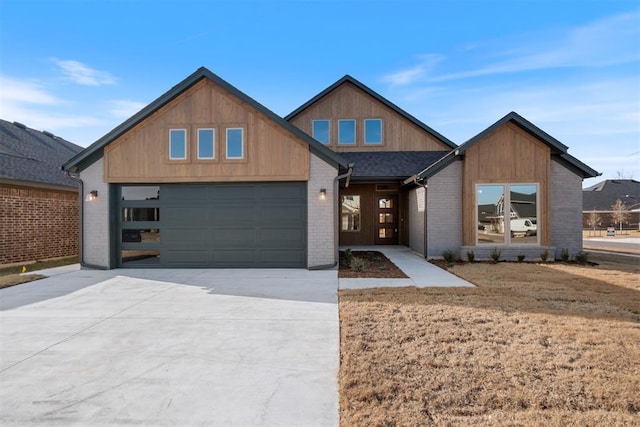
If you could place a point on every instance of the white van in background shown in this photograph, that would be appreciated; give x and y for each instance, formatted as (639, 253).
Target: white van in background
(526, 226)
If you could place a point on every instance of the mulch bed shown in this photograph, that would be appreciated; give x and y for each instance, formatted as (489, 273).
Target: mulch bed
(376, 266)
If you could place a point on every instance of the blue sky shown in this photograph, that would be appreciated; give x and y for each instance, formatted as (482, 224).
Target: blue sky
(80, 68)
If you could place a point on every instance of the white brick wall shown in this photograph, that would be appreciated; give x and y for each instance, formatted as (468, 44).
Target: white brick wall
(321, 238)
(444, 210)
(416, 219)
(95, 244)
(566, 210)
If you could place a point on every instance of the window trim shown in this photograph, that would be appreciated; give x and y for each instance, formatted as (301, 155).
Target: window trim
(507, 226)
(381, 142)
(242, 144)
(355, 132)
(186, 143)
(313, 122)
(213, 142)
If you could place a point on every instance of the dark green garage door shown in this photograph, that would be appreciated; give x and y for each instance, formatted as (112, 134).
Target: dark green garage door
(228, 225)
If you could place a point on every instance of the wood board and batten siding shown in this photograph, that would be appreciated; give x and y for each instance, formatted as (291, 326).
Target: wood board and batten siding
(349, 102)
(270, 153)
(508, 155)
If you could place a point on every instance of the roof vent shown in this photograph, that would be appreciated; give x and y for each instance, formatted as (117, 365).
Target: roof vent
(49, 134)
(20, 125)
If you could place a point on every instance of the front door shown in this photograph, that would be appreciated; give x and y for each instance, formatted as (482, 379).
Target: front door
(386, 220)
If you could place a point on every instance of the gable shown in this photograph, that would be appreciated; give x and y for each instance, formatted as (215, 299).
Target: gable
(141, 154)
(349, 101)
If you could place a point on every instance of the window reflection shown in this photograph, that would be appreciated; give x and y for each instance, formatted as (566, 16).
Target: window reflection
(350, 213)
(385, 203)
(140, 257)
(131, 235)
(524, 213)
(490, 207)
(148, 192)
(507, 210)
(140, 214)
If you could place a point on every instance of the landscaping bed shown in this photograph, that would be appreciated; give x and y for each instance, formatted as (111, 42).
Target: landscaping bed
(373, 265)
(533, 344)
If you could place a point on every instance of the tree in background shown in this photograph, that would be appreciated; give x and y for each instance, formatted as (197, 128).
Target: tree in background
(594, 220)
(620, 212)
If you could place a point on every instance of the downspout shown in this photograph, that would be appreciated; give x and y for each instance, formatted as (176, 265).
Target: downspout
(336, 235)
(81, 227)
(424, 185)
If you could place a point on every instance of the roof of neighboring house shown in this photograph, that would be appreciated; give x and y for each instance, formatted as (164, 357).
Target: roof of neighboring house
(558, 149)
(31, 156)
(96, 150)
(390, 164)
(603, 195)
(348, 79)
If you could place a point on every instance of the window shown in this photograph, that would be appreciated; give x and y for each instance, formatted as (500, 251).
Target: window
(507, 214)
(350, 213)
(177, 144)
(346, 131)
(321, 130)
(373, 131)
(235, 143)
(206, 143)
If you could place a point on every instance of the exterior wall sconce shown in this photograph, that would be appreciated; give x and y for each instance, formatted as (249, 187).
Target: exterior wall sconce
(93, 195)
(323, 193)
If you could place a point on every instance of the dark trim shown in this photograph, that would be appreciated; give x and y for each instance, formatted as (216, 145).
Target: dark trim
(96, 150)
(114, 218)
(348, 79)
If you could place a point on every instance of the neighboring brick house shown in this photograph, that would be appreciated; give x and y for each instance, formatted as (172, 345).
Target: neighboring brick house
(598, 201)
(205, 176)
(38, 201)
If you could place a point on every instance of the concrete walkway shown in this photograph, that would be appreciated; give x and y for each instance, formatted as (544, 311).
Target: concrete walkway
(170, 347)
(421, 273)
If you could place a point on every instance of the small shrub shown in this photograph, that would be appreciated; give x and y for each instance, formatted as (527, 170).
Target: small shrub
(471, 256)
(449, 256)
(544, 255)
(357, 264)
(564, 255)
(495, 254)
(348, 255)
(582, 257)
(521, 257)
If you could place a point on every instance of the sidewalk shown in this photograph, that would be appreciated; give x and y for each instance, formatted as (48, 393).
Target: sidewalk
(421, 273)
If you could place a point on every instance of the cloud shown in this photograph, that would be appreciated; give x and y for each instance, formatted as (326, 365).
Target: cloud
(415, 73)
(123, 109)
(609, 41)
(81, 74)
(22, 91)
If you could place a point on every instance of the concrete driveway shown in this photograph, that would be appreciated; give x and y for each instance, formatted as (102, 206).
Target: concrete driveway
(171, 347)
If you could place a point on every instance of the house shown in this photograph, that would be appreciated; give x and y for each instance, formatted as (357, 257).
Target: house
(38, 201)
(205, 176)
(599, 199)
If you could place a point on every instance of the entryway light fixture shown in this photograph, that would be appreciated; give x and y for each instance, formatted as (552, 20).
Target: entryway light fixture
(323, 193)
(93, 194)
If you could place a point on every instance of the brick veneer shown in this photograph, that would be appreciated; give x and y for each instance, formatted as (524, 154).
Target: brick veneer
(37, 224)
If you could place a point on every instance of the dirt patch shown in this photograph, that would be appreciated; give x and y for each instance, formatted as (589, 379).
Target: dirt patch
(17, 279)
(375, 265)
(533, 344)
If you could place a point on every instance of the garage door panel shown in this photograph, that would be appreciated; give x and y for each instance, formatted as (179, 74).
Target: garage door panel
(191, 216)
(282, 191)
(185, 236)
(185, 257)
(235, 237)
(280, 214)
(183, 193)
(233, 192)
(240, 258)
(233, 215)
(284, 258)
(281, 237)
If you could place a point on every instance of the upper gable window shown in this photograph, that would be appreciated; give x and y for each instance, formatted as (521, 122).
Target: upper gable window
(373, 131)
(206, 143)
(177, 144)
(320, 131)
(346, 131)
(235, 143)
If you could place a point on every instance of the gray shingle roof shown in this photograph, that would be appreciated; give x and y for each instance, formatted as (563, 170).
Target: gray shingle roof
(603, 195)
(390, 164)
(33, 156)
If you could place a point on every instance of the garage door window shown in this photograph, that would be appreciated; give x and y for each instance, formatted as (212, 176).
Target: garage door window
(140, 225)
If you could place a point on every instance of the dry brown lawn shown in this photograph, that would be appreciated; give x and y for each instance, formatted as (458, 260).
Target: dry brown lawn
(533, 344)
